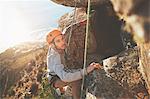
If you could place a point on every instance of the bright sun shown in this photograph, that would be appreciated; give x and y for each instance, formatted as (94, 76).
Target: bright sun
(14, 26)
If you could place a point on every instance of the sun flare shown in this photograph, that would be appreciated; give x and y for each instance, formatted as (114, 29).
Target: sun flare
(14, 27)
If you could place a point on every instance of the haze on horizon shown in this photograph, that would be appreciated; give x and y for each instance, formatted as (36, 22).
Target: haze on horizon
(20, 20)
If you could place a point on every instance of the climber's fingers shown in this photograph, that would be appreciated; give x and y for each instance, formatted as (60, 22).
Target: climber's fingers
(96, 65)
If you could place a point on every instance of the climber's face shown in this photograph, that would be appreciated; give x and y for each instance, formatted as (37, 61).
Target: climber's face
(60, 42)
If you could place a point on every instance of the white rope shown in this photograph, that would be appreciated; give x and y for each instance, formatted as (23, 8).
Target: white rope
(85, 50)
(70, 34)
(73, 21)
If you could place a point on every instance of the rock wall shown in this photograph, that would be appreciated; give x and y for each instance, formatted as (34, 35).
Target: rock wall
(79, 3)
(123, 76)
(136, 14)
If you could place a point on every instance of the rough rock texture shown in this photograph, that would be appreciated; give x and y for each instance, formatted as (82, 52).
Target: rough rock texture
(67, 19)
(122, 77)
(145, 62)
(75, 50)
(137, 16)
(107, 28)
(124, 69)
(79, 3)
(136, 13)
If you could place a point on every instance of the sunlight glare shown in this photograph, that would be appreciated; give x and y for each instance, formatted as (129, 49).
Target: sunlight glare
(14, 25)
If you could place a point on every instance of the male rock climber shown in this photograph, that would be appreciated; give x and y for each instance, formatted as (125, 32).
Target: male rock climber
(57, 76)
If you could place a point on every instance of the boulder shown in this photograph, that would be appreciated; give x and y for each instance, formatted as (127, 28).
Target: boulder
(124, 76)
(136, 15)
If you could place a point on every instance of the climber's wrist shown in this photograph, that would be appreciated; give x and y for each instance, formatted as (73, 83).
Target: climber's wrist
(89, 69)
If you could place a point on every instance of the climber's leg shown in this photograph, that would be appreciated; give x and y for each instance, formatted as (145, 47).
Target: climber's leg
(76, 89)
(59, 84)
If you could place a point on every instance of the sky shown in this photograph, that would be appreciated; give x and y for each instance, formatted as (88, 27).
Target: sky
(22, 20)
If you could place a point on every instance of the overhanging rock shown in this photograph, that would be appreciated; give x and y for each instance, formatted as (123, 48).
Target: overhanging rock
(79, 3)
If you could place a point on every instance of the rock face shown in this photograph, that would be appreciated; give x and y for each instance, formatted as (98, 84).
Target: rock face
(123, 75)
(100, 40)
(67, 19)
(124, 69)
(79, 3)
(136, 13)
(108, 36)
(120, 78)
(75, 50)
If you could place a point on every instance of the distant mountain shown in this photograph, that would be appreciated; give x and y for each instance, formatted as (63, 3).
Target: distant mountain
(40, 34)
(35, 36)
(15, 59)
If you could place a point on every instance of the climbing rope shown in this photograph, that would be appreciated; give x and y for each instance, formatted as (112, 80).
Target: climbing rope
(86, 41)
(70, 33)
(73, 21)
(85, 50)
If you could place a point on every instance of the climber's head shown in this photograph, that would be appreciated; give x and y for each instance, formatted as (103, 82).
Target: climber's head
(56, 38)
